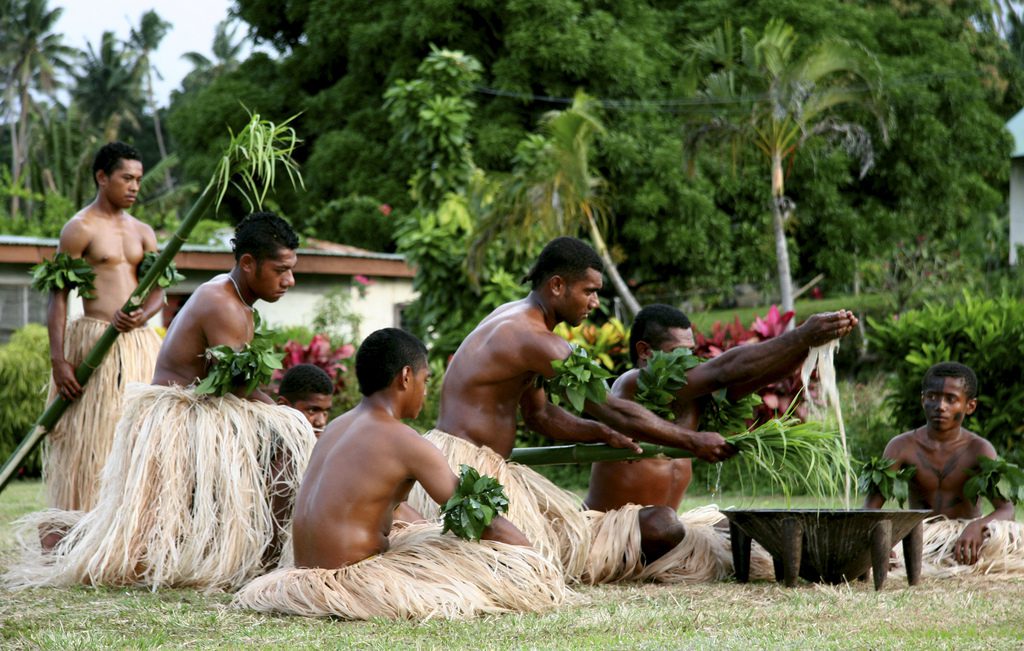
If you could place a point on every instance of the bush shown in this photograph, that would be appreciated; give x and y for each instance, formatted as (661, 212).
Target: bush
(985, 334)
(24, 373)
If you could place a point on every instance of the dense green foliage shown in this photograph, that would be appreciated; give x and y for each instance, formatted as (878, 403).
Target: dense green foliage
(986, 334)
(24, 369)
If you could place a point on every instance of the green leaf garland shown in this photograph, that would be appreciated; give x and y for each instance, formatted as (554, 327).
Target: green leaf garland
(578, 378)
(167, 278)
(996, 479)
(474, 505)
(879, 476)
(64, 272)
(251, 367)
(664, 374)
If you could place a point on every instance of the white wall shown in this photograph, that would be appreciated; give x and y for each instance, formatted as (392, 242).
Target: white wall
(1016, 206)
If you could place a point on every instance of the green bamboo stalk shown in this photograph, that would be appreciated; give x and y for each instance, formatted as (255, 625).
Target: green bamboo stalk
(251, 155)
(591, 453)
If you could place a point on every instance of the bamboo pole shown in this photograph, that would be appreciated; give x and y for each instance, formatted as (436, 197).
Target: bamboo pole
(248, 164)
(590, 453)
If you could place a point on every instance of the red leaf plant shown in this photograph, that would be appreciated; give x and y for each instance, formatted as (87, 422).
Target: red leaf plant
(320, 353)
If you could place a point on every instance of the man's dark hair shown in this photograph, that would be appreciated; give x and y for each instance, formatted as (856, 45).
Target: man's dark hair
(303, 380)
(383, 355)
(567, 257)
(652, 325)
(110, 156)
(953, 369)
(262, 235)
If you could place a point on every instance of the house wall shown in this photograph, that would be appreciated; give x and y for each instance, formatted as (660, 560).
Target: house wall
(1016, 206)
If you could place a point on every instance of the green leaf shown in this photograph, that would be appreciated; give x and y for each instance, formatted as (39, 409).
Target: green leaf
(477, 500)
(62, 272)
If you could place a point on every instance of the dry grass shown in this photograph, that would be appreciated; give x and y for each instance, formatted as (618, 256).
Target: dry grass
(950, 614)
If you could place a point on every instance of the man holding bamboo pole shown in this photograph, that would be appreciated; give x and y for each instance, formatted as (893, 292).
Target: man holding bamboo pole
(113, 243)
(643, 496)
(498, 372)
(198, 488)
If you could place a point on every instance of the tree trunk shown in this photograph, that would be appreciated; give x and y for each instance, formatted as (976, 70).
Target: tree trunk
(621, 288)
(158, 130)
(779, 228)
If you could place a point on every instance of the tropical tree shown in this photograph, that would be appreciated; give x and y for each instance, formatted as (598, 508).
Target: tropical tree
(107, 87)
(31, 56)
(769, 92)
(554, 189)
(146, 38)
(227, 55)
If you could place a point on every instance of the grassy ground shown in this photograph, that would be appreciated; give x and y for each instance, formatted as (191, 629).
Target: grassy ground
(950, 614)
(804, 308)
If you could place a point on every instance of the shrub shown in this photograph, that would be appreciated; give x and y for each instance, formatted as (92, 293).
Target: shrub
(986, 334)
(24, 373)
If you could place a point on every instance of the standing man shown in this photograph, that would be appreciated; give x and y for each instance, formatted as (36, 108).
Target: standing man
(198, 488)
(643, 496)
(113, 243)
(496, 373)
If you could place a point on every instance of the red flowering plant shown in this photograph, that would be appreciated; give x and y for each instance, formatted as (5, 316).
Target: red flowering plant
(320, 352)
(776, 397)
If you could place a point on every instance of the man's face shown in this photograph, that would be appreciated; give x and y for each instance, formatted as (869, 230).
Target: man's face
(419, 388)
(273, 276)
(580, 297)
(121, 187)
(675, 338)
(316, 407)
(945, 403)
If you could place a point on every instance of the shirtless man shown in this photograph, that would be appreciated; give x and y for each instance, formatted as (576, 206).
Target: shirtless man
(945, 454)
(220, 311)
(494, 373)
(367, 460)
(113, 243)
(660, 484)
(308, 388)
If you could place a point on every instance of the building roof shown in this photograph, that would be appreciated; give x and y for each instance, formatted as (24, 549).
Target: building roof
(1016, 128)
(319, 257)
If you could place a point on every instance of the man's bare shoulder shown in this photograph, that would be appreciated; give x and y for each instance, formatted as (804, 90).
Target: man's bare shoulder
(980, 445)
(144, 230)
(625, 385)
(901, 445)
(77, 230)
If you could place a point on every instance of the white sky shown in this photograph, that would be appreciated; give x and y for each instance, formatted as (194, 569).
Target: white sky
(193, 25)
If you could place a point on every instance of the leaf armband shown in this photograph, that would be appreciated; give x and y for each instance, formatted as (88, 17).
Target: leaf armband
(728, 416)
(996, 479)
(168, 277)
(578, 378)
(879, 476)
(658, 382)
(64, 272)
(250, 367)
(474, 505)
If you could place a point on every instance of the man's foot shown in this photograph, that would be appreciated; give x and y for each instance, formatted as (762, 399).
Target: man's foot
(660, 532)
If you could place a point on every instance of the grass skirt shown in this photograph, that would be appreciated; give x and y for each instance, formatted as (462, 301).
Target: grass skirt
(78, 445)
(184, 497)
(424, 574)
(703, 555)
(1002, 552)
(549, 516)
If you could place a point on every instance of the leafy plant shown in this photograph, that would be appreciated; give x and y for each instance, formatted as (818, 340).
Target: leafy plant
(24, 368)
(996, 479)
(879, 476)
(664, 374)
(249, 367)
(167, 278)
(64, 272)
(578, 378)
(607, 343)
(474, 505)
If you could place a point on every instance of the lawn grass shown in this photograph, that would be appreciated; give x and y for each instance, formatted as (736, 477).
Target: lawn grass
(949, 614)
(703, 321)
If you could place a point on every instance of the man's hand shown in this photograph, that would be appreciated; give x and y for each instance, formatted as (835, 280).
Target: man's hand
(823, 328)
(616, 439)
(711, 447)
(968, 547)
(64, 379)
(125, 321)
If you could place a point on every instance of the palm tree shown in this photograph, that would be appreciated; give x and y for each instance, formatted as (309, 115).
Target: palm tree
(108, 88)
(152, 29)
(766, 92)
(227, 53)
(553, 190)
(31, 56)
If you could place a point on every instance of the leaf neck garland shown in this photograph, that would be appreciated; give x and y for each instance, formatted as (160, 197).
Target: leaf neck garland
(719, 414)
(247, 368)
(64, 272)
(578, 378)
(995, 479)
(879, 476)
(474, 505)
(664, 374)
(167, 278)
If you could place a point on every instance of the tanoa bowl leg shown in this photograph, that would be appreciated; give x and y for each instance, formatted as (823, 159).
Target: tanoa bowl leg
(913, 545)
(793, 535)
(740, 542)
(881, 545)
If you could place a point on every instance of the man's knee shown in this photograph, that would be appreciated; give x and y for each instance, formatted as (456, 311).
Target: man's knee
(660, 531)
